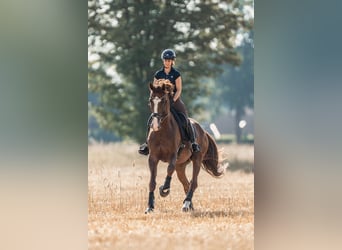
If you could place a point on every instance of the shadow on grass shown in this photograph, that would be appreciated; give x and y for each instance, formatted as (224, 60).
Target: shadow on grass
(244, 166)
(209, 214)
(221, 214)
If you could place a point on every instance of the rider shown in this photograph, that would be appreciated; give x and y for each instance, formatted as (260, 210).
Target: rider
(169, 72)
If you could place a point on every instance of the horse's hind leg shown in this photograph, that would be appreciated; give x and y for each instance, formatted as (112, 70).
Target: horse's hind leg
(180, 169)
(164, 189)
(187, 204)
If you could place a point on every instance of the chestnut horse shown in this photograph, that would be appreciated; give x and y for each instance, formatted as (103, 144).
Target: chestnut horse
(165, 144)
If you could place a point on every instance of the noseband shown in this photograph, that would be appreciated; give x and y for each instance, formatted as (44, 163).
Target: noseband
(159, 117)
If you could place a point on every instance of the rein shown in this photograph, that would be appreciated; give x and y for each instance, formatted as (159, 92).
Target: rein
(160, 117)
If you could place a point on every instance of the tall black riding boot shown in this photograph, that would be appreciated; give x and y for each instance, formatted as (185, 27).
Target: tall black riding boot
(143, 148)
(192, 135)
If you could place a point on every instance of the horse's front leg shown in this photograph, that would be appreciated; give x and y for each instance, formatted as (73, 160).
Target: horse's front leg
(164, 189)
(153, 173)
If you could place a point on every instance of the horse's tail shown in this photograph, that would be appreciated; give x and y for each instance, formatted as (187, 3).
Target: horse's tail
(211, 159)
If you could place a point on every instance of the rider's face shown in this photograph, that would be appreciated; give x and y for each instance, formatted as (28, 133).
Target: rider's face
(167, 63)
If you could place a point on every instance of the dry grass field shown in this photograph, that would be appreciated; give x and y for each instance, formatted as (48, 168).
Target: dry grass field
(118, 180)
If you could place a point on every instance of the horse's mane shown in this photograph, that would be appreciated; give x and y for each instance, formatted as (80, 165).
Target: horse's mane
(162, 82)
(163, 85)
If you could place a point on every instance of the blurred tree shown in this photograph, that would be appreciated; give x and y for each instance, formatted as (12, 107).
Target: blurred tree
(237, 85)
(128, 37)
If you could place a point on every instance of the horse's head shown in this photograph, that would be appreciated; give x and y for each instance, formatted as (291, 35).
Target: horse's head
(159, 102)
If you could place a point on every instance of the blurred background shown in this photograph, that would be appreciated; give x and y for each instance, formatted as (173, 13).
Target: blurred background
(44, 132)
(213, 41)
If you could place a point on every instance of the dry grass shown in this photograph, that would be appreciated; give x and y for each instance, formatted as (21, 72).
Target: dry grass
(118, 180)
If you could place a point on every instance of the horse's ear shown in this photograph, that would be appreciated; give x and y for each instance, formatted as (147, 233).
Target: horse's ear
(172, 87)
(168, 88)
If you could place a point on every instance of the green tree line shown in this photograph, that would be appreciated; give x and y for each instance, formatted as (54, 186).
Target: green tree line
(126, 38)
(236, 86)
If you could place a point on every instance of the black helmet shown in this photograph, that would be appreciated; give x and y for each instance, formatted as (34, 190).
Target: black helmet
(168, 54)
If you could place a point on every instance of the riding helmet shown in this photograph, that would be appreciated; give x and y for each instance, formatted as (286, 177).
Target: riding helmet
(168, 54)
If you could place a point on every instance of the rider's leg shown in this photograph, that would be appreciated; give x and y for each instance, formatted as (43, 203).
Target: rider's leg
(180, 107)
(192, 135)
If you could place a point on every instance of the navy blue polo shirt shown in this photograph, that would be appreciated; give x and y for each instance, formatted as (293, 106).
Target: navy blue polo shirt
(172, 76)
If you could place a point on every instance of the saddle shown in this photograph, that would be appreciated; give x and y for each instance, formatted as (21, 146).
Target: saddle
(182, 122)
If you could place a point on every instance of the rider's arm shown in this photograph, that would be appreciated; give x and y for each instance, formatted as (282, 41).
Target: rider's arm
(179, 88)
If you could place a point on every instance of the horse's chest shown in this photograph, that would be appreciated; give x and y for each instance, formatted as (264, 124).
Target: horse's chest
(164, 154)
(163, 146)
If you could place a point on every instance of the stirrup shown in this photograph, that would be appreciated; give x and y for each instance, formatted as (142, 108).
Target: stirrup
(143, 149)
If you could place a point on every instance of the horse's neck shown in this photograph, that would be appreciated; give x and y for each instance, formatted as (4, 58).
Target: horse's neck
(169, 123)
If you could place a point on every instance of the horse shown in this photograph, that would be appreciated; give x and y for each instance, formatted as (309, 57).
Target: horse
(166, 145)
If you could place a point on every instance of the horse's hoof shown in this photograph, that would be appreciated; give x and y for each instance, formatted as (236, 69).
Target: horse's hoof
(187, 206)
(164, 192)
(149, 210)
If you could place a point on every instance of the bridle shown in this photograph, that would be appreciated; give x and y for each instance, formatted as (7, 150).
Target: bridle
(160, 117)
